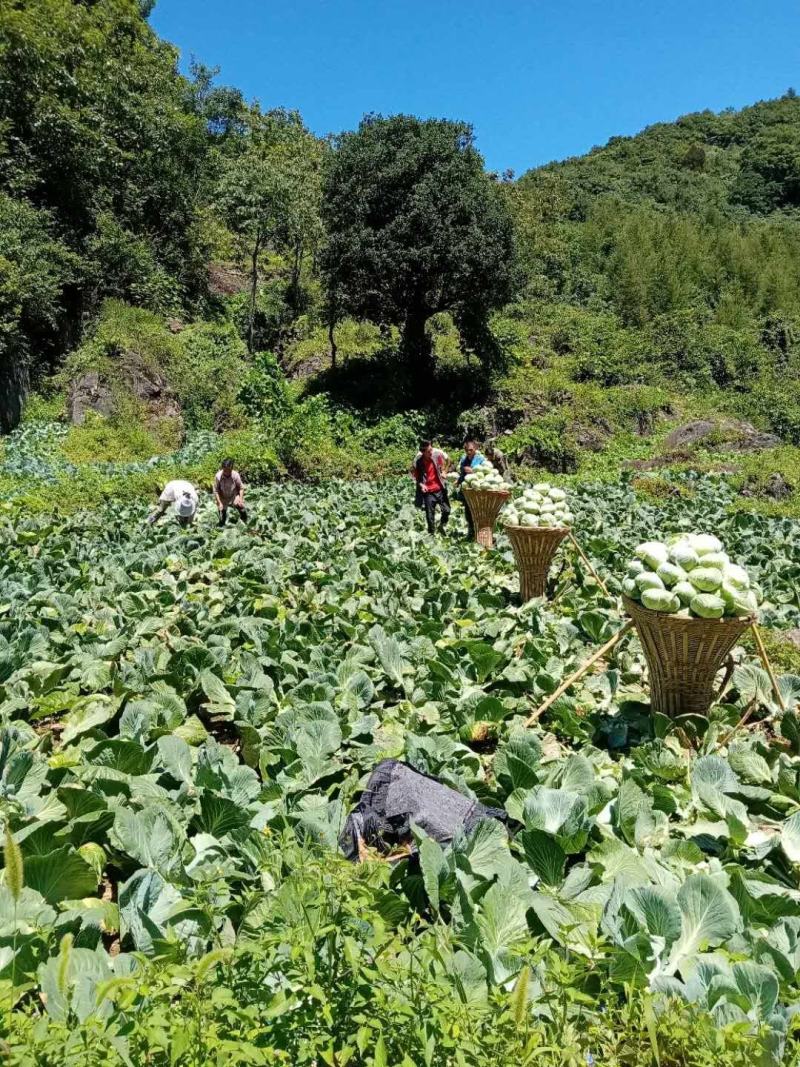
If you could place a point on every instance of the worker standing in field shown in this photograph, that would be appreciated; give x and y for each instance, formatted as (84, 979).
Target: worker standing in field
(428, 471)
(471, 459)
(182, 495)
(229, 491)
(498, 459)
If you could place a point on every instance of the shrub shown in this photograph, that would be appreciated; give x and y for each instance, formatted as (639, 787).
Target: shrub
(207, 370)
(312, 346)
(265, 393)
(660, 488)
(121, 439)
(639, 405)
(546, 443)
(121, 329)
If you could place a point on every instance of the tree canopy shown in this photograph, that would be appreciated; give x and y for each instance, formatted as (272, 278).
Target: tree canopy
(415, 227)
(102, 151)
(268, 193)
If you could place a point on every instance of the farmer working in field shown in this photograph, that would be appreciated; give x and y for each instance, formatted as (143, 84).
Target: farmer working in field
(472, 458)
(497, 458)
(182, 496)
(428, 470)
(229, 491)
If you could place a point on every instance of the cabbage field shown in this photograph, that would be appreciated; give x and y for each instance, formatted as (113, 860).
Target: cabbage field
(188, 715)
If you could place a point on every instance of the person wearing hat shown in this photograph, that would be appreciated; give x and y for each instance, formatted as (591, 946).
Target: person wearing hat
(182, 496)
(229, 491)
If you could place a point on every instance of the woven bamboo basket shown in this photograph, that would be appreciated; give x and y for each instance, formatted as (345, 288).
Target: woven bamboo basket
(683, 656)
(534, 548)
(484, 506)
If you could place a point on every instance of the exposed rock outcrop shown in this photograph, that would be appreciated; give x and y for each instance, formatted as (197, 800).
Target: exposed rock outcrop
(93, 392)
(720, 435)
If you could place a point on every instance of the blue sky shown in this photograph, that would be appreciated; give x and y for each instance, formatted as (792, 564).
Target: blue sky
(538, 80)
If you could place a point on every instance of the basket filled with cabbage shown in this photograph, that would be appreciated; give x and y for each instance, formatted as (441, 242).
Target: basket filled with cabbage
(536, 523)
(690, 604)
(485, 491)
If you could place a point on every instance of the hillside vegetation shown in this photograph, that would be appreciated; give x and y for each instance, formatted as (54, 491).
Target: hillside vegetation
(653, 281)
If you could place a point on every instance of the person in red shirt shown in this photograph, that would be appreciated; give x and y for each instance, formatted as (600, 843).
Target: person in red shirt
(428, 470)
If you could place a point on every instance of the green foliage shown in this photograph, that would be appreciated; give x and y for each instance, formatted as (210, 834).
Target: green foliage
(758, 474)
(546, 442)
(206, 372)
(265, 392)
(671, 258)
(202, 762)
(649, 485)
(122, 332)
(46, 406)
(14, 865)
(186, 715)
(651, 168)
(54, 467)
(783, 651)
(201, 367)
(769, 179)
(311, 348)
(315, 440)
(415, 227)
(97, 129)
(268, 194)
(34, 268)
(118, 440)
(774, 404)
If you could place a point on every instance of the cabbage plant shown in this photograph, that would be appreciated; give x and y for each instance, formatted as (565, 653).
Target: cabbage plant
(690, 575)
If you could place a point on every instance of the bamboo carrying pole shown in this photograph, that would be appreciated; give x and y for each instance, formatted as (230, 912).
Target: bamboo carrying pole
(751, 707)
(580, 672)
(585, 559)
(768, 666)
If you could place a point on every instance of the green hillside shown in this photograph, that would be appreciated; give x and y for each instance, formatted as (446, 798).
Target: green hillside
(740, 163)
(189, 713)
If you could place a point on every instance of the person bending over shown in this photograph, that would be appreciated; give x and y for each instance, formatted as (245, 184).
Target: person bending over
(498, 459)
(182, 496)
(229, 491)
(428, 471)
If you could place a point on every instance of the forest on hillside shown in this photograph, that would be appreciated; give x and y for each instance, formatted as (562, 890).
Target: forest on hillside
(669, 257)
(290, 776)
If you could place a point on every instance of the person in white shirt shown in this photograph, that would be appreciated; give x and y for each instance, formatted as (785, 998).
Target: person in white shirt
(182, 496)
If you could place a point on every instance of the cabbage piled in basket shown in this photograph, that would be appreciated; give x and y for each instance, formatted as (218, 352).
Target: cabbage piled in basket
(486, 476)
(542, 505)
(690, 576)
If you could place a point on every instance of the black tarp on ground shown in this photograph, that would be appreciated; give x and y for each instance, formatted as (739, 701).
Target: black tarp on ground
(396, 796)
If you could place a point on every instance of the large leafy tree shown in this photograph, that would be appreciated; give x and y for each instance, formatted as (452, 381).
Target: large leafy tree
(98, 125)
(415, 227)
(269, 192)
(35, 269)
